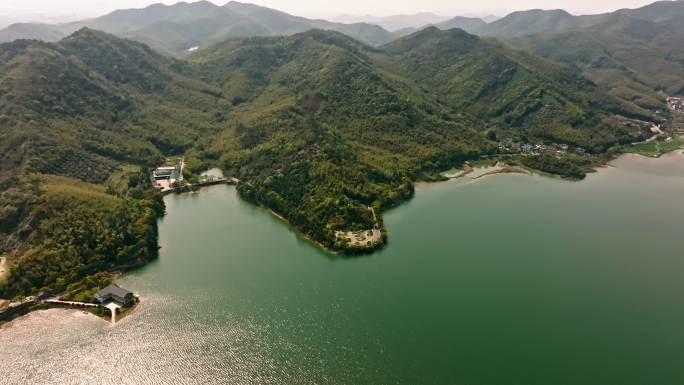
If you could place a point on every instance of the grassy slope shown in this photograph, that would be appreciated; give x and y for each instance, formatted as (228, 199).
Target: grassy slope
(655, 148)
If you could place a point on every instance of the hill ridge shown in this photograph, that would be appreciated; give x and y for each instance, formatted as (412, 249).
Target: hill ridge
(173, 29)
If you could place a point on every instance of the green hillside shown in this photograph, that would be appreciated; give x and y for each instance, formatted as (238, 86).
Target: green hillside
(318, 127)
(72, 230)
(84, 109)
(634, 55)
(538, 21)
(637, 60)
(175, 29)
(344, 134)
(509, 90)
(468, 24)
(530, 22)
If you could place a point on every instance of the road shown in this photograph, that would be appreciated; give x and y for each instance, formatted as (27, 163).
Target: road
(377, 235)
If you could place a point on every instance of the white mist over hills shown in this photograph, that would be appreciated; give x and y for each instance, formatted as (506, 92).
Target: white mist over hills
(395, 22)
(10, 16)
(12, 11)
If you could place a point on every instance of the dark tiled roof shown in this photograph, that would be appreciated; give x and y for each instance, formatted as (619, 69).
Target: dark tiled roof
(113, 290)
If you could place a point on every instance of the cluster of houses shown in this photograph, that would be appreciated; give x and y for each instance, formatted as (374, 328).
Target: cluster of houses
(676, 103)
(509, 146)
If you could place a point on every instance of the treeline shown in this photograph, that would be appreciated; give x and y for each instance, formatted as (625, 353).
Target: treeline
(318, 127)
(320, 186)
(566, 167)
(79, 230)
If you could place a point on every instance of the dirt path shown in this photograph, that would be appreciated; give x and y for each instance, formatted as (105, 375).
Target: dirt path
(3, 269)
(377, 235)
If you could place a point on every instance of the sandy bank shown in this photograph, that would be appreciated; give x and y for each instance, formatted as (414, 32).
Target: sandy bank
(507, 169)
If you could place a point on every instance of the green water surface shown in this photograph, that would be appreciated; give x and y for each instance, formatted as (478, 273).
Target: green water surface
(510, 279)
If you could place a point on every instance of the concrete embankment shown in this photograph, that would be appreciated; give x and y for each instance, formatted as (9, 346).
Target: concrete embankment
(16, 309)
(197, 186)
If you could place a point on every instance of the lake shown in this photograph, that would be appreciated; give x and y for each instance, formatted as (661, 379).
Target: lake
(510, 279)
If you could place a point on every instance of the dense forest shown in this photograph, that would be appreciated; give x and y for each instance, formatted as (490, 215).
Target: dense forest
(173, 29)
(70, 230)
(318, 127)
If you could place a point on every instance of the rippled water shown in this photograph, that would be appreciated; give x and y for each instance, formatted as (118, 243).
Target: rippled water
(511, 279)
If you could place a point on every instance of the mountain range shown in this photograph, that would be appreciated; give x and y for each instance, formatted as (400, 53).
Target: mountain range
(604, 47)
(395, 22)
(317, 125)
(634, 54)
(175, 29)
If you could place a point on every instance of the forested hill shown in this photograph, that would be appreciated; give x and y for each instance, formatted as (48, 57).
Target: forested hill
(318, 127)
(80, 121)
(96, 99)
(540, 21)
(507, 88)
(634, 54)
(325, 131)
(174, 29)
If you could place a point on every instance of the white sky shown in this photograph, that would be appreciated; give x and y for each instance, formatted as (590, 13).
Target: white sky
(78, 9)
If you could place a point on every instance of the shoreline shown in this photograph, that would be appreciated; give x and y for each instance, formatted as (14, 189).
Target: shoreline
(289, 224)
(506, 169)
(467, 169)
(41, 308)
(337, 253)
(650, 156)
(298, 232)
(63, 310)
(267, 209)
(198, 186)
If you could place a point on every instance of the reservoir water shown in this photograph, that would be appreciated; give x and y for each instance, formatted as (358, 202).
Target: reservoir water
(510, 279)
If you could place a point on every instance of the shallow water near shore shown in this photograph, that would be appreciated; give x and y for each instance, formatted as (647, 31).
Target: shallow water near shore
(509, 279)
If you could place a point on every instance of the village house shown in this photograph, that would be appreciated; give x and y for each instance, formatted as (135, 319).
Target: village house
(676, 103)
(117, 294)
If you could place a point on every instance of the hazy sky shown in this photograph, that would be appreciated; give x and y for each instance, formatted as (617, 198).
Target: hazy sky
(75, 9)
